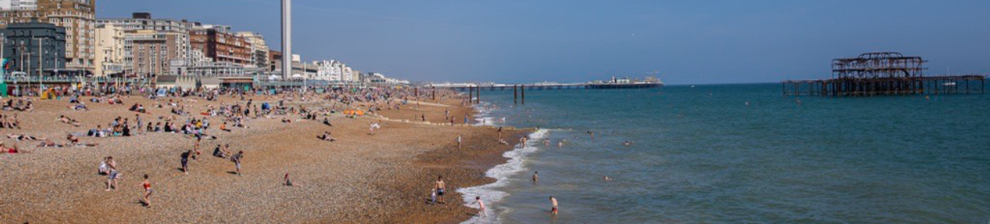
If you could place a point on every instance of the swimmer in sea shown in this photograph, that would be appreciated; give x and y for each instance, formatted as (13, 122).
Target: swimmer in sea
(608, 178)
(627, 143)
(536, 176)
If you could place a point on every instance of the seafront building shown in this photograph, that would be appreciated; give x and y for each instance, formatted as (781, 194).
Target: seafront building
(178, 52)
(109, 50)
(77, 17)
(149, 52)
(219, 44)
(144, 21)
(258, 48)
(34, 47)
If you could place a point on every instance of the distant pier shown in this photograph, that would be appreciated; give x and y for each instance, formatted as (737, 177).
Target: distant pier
(545, 86)
(519, 90)
(883, 74)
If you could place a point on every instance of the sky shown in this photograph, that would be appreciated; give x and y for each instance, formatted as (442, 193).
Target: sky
(521, 41)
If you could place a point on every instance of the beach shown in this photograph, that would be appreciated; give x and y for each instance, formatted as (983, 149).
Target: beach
(359, 178)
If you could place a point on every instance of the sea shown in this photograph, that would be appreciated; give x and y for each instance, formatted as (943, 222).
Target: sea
(739, 154)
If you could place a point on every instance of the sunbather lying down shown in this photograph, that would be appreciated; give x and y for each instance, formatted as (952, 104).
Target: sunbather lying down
(326, 137)
(24, 137)
(15, 149)
(51, 144)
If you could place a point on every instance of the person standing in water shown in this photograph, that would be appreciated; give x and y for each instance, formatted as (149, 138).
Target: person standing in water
(536, 176)
(441, 188)
(481, 206)
(553, 202)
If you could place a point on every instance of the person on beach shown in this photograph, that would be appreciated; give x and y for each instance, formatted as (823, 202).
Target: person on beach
(146, 198)
(219, 152)
(459, 140)
(441, 187)
(371, 129)
(237, 161)
(433, 196)
(499, 133)
(184, 159)
(553, 203)
(103, 169)
(195, 156)
(113, 174)
(326, 137)
(481, 206)
(223, 127)
(287, 181)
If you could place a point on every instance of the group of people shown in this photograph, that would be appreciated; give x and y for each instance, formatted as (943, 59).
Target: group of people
(19, 105)
(109, 168)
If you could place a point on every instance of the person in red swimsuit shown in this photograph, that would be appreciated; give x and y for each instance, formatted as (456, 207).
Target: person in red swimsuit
(147, 191)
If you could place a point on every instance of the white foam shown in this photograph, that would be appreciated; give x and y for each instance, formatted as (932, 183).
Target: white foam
(483, 118)
(501, 174)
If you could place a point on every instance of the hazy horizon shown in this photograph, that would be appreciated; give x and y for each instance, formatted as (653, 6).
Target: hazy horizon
(721, 42)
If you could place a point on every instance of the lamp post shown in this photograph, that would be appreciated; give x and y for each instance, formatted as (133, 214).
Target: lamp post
(41, 65)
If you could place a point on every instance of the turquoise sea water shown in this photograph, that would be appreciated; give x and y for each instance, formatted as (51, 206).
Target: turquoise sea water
(702, 155)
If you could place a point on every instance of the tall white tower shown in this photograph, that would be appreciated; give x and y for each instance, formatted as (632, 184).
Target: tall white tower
(286, 39)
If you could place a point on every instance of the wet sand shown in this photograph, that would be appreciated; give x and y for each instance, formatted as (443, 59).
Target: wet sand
(361, 178)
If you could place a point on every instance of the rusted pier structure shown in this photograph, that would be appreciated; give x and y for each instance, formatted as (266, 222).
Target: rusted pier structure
(883, 74)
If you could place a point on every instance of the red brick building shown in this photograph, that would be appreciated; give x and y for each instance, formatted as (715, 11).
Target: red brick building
(219, 44)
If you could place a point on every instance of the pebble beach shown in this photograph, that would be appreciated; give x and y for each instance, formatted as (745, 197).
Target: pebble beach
(359, 178)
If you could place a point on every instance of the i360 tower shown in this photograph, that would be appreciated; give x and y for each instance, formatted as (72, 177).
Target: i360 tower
(286, 39)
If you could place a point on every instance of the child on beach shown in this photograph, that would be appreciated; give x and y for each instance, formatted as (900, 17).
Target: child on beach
(146, 184)
(433, 196)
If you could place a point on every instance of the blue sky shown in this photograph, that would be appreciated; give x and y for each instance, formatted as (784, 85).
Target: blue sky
(688, 42)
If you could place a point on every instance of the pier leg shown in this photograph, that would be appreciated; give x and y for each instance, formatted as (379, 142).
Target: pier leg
(478, 94)
(515, 94)
(470, 95)
(522, 92)
(434, 93)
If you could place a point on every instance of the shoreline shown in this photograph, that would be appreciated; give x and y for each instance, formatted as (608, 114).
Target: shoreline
(468, 165)
(384, 177)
